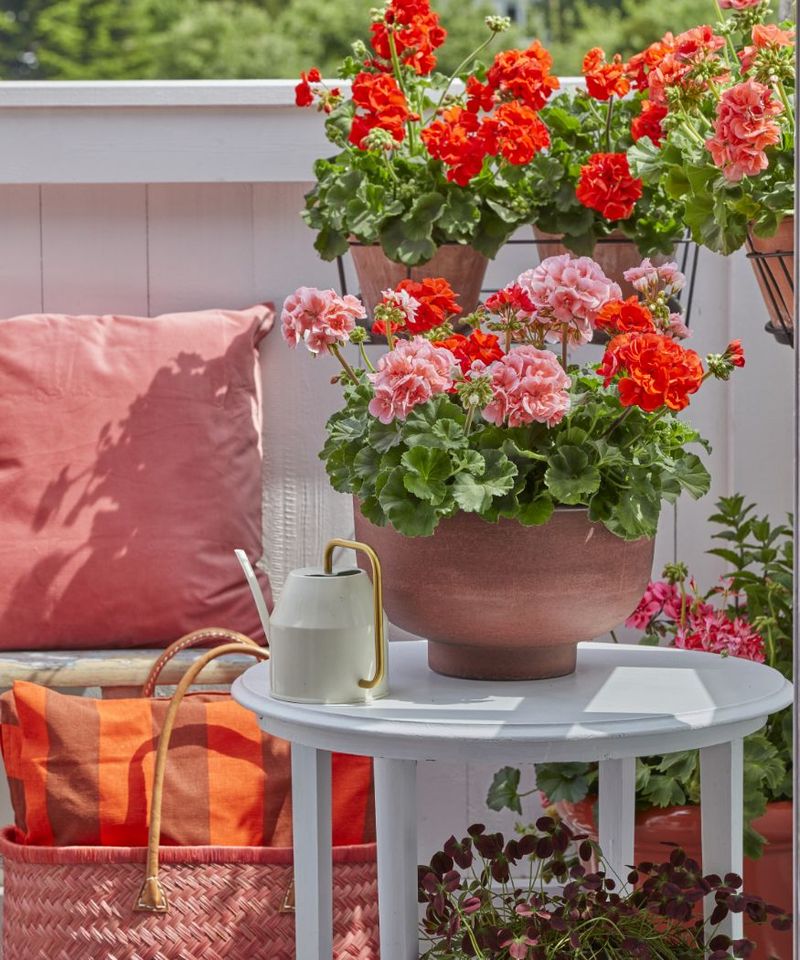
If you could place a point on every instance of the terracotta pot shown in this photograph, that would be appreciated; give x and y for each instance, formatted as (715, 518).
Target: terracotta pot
(769, 877)
(463, 268)
(615, 254)
(500, 601)
(775, 275)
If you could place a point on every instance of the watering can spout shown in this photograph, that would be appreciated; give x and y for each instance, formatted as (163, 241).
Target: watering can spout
(255, 590)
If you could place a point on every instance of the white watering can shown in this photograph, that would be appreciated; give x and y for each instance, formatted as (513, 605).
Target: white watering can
(327, 633)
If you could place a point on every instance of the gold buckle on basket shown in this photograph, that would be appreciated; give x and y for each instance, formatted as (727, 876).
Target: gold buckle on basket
(288, 901)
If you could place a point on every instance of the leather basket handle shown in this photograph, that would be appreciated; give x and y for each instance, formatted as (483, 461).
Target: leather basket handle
(151, 898)
(197, 638)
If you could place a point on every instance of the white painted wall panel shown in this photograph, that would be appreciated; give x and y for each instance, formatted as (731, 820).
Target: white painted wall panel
(20, 250)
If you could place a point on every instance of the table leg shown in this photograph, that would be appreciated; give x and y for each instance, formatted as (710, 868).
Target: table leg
(721, 812)
(313, 868)
(396, 815)
(617, 800)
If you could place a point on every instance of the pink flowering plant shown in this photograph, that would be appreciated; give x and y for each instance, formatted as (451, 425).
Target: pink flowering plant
(747, 614)
(499, 422)
(727, 151)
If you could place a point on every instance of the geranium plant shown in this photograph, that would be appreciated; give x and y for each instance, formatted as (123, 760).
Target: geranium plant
(422, 163)
(474, 907)
(727, 150)
(582, 186)
(497, 424)
(747, 614)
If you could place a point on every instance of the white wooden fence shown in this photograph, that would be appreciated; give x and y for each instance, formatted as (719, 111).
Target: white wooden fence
(142, 198)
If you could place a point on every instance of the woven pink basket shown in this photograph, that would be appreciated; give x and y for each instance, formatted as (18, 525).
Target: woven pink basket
(76, 903)
(175, 903)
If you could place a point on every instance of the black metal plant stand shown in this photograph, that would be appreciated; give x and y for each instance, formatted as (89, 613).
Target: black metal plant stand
(775, 274)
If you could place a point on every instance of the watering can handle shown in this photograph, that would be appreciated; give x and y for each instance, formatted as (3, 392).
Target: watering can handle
(377, 591)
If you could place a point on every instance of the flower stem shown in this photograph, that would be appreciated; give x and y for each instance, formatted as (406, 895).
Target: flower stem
(620, 419)
(692, 134)
(468, 59)
(365, 358)
(351, 374)
(609, 116)
(565, 346)
(398, 73)
(730, 49)
(470, 418)
(787, 104)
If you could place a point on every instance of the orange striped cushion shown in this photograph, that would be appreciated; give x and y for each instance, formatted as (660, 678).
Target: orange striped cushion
(81, 772)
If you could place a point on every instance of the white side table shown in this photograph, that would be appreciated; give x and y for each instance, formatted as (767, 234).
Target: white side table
(622, 702)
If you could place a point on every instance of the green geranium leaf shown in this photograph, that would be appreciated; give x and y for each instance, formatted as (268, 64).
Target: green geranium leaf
(570, 477)
(408, 514)
(504, 791)
(474, 494)
(373, 511)
(407, 242)
(565, 781)
(691, 474)
(427, 468)
(384, 436)
(536, 512)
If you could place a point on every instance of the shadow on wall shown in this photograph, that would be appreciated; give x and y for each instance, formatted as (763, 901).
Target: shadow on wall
(120, 530)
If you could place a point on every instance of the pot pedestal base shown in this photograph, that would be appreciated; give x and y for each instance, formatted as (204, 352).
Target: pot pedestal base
(501, 663)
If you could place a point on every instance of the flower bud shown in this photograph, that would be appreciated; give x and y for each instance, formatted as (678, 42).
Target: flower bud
(498, 24)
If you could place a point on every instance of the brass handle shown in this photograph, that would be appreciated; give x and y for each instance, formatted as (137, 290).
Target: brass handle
(377, 592)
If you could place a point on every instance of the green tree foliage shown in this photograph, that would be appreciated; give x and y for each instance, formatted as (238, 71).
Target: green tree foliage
(122, 39)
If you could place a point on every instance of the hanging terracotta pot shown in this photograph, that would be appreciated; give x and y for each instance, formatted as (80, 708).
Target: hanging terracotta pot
(615, 254)
(770, 877)
(772, 259)
(462, 266)
(501, 601)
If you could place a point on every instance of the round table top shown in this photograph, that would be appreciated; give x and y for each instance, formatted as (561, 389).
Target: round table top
(623, 700)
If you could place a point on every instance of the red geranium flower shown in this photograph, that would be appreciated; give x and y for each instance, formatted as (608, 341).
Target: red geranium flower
(516, 132)
(523, 75)
(512, 298)
(606, 185)
(477, 346)
(417, 33)
(605, 80)
(436, 302)
(654, 370)
(303, 94)
(457, 140)
(640, 65)
(383, 104)
(480, 96)
(625, 316)
(648, 123)
(735, 353)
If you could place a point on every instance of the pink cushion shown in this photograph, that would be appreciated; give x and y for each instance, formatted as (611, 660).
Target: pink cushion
(130, 469)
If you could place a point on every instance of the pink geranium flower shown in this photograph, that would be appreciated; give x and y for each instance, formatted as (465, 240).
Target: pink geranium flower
(744, 128)
(409, 375)
(648, 278)
(568, 292)
(320, 318)
(529, 386)
(738, 4)
(714, 632)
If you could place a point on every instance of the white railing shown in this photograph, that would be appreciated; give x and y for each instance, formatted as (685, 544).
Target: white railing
(141, 198)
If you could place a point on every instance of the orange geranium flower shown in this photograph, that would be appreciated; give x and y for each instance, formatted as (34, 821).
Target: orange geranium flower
(457, 139)
(640, 65)
(380, 103)
(625, 316)
(605, 80)
(654, 371)
(516, 132)
(606, 185)
(523, 75)
(436, 301)
(417, 33)
(477, 346)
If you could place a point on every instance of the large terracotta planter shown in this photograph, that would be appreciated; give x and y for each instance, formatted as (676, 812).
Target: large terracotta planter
(769, 877)
(772, 259)
(615, 254)
(501, 601)
(463, 268)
